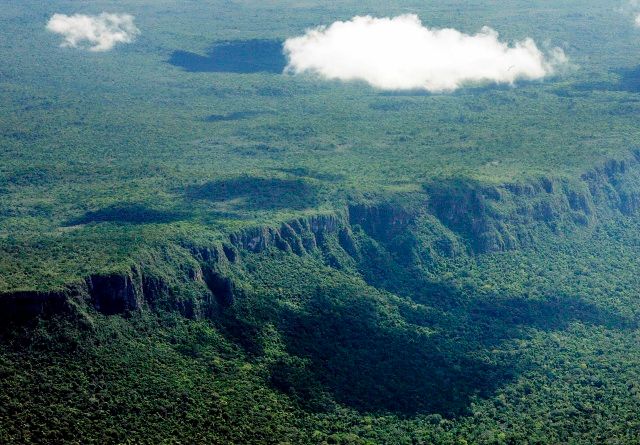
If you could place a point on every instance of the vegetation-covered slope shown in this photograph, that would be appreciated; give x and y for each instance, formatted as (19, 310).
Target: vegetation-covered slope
(202, 250)
(342, 333)
(106, 152)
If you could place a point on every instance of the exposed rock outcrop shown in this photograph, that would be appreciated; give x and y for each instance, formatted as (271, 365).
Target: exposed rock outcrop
(484, 218)
(299, 236)
(116, 293)
(381, 222)
(26, 305)
(222, 288)
(507, 216)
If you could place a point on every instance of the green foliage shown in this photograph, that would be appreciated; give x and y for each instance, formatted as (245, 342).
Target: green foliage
(495, 316)
(89, 141)
(317, 349)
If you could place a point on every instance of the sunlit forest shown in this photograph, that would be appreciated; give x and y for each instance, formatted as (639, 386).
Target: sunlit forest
(295, 222)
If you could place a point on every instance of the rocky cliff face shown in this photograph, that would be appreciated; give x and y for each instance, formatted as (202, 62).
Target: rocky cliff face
(507, 216)
(484, 218)
(23, 306)
(116, 293)
(298, 236)
(616, 184)
(143, 286)
(381, 222)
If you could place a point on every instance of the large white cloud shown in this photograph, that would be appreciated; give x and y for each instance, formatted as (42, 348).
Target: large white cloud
(100, 32)
(400, 53)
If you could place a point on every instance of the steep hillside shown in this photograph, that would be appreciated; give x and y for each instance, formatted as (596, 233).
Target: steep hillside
(446, 219)
(434, 317)
(199, 245)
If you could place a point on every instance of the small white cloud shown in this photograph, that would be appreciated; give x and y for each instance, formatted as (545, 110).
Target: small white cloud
(400, 53)
(100, 32)
(630, 8)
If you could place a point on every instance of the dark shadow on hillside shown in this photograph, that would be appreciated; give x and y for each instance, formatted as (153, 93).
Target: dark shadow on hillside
(129, 214)
(397, 274)
(554, 313)
(249, 56)
(363, 360)
(629, 80)
(373, 366)
(257, 193)
(381, 354)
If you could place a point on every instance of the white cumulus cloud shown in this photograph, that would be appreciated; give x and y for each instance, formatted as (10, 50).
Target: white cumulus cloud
(630, 8)
(96, 32)
(400, 53)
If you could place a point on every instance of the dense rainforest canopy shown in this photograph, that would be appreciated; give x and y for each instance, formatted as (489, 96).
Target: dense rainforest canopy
(210, 235)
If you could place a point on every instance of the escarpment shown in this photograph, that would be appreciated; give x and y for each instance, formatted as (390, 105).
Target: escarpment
(115, 293)
(508, 216)
(468, 216)
(24, 305)
(299, 235)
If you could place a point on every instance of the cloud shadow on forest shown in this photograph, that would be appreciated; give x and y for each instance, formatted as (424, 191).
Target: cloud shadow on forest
(242, 57)
(255, 193)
